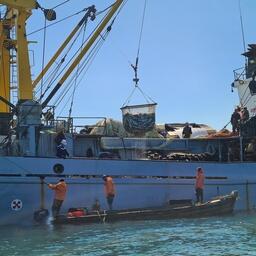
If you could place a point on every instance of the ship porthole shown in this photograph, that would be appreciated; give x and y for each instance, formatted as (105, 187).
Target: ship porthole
(210, 149)
(58, 168)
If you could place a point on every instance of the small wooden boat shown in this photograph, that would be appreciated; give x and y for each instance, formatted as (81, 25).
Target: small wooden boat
(217, 206)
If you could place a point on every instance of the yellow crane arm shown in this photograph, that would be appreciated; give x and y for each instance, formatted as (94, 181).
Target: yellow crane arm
(59, 51)
(84, 51)
(24, 4)
(18, 11)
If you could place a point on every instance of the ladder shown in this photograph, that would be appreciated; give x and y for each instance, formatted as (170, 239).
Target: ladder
(14, 74)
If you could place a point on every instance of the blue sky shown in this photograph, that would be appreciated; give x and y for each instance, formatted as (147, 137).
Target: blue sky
(188, 52)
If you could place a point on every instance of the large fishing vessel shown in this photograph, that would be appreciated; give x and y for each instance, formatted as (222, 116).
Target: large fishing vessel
(149, 163)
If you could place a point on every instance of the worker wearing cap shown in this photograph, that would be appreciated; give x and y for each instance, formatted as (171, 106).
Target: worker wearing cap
(109, 190)
(60, 193)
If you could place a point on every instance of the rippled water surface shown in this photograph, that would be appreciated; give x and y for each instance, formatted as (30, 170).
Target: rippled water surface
(231, 235)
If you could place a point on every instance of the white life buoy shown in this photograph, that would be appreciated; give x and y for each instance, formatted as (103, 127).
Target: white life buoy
(210, 149)
(16, 205)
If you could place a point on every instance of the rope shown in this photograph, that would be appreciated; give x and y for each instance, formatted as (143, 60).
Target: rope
(142, 26)
(86, 63)
(104, 10)
(44, 28)
(62, 61)
(77, 71)
(43, 60)
(145, 95)
(135, 67)
(50, 77)
(60, 4)
(242, 27)
(90, 57)
(70, 16)
(129, 97)
(52, 24)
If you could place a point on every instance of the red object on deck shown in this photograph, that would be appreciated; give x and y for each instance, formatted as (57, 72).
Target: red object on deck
(78, 213)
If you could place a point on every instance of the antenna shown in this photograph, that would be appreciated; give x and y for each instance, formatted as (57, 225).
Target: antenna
(242, 27)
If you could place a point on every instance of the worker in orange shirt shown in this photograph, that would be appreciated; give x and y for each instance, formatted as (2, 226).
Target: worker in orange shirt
(60, 193)
(199, 186)
(109, 190)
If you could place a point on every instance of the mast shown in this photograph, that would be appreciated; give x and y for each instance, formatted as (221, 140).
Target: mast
(18, 11)
(4, 65)
(29, 111)
(85, 49)
(20, 4)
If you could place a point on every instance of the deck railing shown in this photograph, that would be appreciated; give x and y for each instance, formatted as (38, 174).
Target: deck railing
(81, 125)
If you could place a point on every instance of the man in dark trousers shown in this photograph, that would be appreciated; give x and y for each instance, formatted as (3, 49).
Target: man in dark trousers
(245, 115)
(109, 190)
(199, 186)
(187, 131)
(60, 193)
(61, 149)
(235, 120)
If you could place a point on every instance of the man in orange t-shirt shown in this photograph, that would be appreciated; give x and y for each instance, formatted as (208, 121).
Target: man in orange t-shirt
(60, 193)
(109, 190)
(199, 186)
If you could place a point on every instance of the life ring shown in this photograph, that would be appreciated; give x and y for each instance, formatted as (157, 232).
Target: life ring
(58, 168)
(16, 205)
(211, 150)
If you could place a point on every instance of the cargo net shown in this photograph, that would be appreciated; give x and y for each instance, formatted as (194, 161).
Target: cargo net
(139, 119)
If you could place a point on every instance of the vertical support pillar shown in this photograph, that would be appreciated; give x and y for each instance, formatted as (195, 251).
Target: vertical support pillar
(218, 190)
(42, 193)
(247, 196)
(241, 148)
(24, 73)
(4, 67)
(32, 140)
(220, 153)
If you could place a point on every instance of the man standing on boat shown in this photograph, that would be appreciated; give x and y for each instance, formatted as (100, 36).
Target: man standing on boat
(187, 131)
(199, 186)
(60, 193)
(109, 190)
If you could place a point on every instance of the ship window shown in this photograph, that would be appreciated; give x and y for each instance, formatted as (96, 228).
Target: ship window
(58, 168)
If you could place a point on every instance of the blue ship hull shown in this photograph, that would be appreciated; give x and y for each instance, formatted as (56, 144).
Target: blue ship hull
(139, 183)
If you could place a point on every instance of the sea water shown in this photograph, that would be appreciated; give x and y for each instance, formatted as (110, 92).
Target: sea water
(230, 235)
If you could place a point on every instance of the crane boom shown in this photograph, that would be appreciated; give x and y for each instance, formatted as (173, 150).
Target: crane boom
(17, 4)
(58, 52)
(84, 51)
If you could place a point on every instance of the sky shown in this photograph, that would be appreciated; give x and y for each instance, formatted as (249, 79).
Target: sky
(188, 52)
